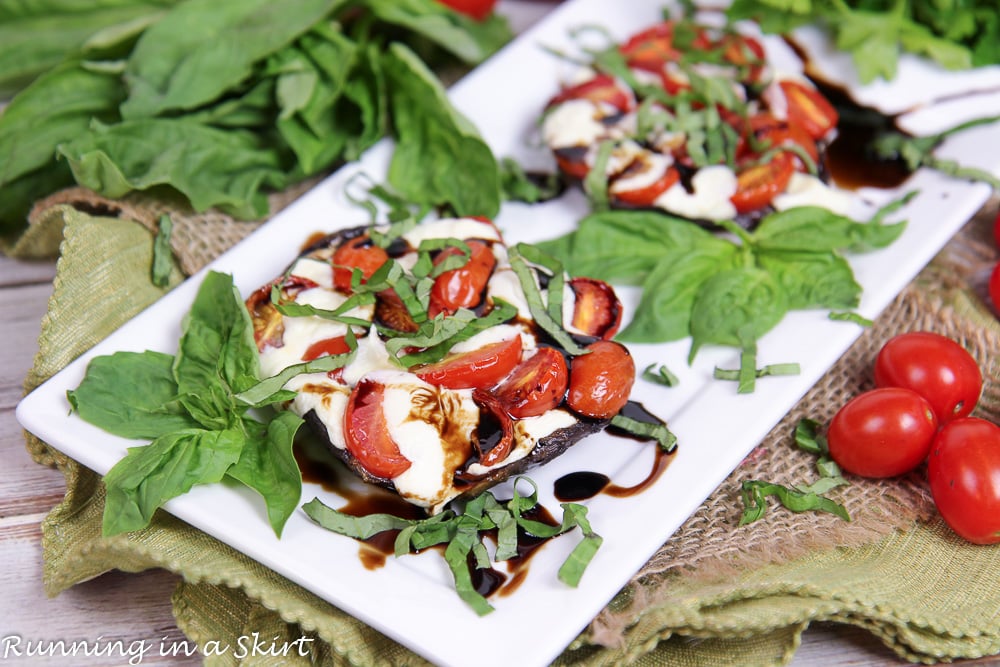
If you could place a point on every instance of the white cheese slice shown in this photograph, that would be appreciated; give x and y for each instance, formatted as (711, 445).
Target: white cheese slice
(713, 186)
(315, 270)
(807, 190)
(576, 123)
(457, 228)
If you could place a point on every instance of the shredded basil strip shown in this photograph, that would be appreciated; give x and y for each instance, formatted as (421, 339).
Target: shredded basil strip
(660, 375)
(432, 332)
(756, 492)
(850, 317)
(809, 438)
(383, 238)
(596, 180)
(162, 254)
(270, 390)
(664, 437)
(293, 309)
(502, 312)
(533, 296)
(462, 534)
(392, 275)
(449, 263)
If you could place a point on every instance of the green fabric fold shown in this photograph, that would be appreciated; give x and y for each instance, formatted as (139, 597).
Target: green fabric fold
(925, 593)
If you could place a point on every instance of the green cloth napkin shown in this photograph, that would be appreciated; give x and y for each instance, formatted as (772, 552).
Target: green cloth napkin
(925, 593)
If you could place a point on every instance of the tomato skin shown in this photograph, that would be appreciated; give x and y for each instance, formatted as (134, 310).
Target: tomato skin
(651, 48)
(882, 433)
(597, 311)
(477, 9)
(809, 109)
(647, 195)
(600, 382)
(996, 230)
(462, 287)
(367, 434)
(326, 347)
(358, 253)
(994, 287)
(964, 475)
(758, 184)
(537, 385)
(602, 88)
(477, 369)
(934, 366)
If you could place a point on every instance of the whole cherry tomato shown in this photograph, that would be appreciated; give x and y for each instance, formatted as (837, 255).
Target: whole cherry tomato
(537, 384)
(882, 433)
(479, 368)
(934, 366)
(964, 474)
(367, 435)
(357, 253)
(995, 287)
(477, 9)
(600, 381)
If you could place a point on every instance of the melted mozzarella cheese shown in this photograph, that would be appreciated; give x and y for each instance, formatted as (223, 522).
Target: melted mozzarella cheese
(327, 398)
(713, 186)
(457, 228)
(576, 123)
(655, 165)
(504, 284)
(806, 190)
(315, 270)
(497, 334)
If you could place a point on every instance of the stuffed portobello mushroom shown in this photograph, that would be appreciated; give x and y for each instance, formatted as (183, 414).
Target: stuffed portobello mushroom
(452, 362)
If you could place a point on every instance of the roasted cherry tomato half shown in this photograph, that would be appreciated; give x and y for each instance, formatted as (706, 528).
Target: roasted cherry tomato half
(602, 88)
(477, 369)
(572, 162)
(326, 347)
(462, 287)
(744, 51)
(367, 434)
(597, 311)
(934, 366)
(808, 108)
(652, 48)
(994, 288)
(882, 433)
(505, 426)
(477, 9)
(645, 195)
(268, 324)
(537, 385)
(964, 475)
(357, 253)
(600, 381)
(758, 184)
(769, 132)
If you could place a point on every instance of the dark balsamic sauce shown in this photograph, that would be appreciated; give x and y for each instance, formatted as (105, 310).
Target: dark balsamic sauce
(577, 486)
(490, 581)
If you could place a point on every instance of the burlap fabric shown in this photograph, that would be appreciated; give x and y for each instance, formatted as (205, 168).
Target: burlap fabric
(715, 593)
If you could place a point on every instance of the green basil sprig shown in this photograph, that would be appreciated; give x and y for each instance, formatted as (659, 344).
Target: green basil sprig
(190, 406)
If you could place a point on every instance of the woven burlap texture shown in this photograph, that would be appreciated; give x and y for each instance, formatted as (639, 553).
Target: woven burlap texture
(709, 582)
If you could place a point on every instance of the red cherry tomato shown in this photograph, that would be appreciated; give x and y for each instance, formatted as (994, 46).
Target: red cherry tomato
(602, 88)
(357, 253)
(462, 287)
(996, 230)
(367, 434)
(477, 9)
(572, 162)
(758, 184)
(537, 385)
(809, 109)
(600, 382)
(490, 405)
(934, 366)
(744, 51)
(964, 474)
(882, 433)
(480, 368)
(597, 311)
(772, 132)
(644, 196)
(326, 347)
(995, 287)
(651, 48)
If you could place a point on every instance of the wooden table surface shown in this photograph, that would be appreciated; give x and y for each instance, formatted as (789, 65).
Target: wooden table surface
(136, 607)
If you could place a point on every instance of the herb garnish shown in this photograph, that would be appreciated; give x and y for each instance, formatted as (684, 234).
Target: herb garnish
(162, 254)
(193, 406)
(660, 375)
(463, 535)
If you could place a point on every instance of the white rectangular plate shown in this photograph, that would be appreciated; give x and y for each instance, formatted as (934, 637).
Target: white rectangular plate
(412, 599)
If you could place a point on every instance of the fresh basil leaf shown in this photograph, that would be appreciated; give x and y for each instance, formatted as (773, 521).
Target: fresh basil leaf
(851, 317)
(670, 289)
(657, 432)
(572, 569)
(132, 395)
(432, 139)
(201, 48)
(812, 279)
(539, 309)
(528, 187)
(268, 466)
(217, 356)
(660, 375)
(745, 302)
(822, 485)
(166, 468)
(809, 437)
(815, 229)
(211, 167)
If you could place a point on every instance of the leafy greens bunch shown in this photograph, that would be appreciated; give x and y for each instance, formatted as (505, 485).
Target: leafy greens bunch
(193, 407)
(721, 290)
(222, 100)
(958, 34)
